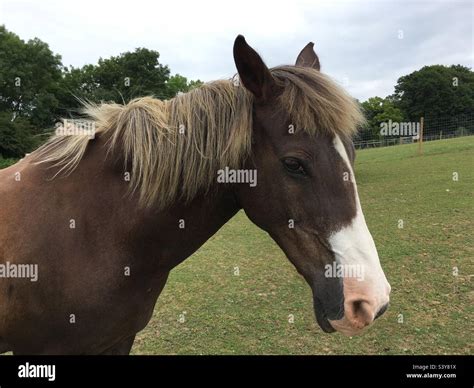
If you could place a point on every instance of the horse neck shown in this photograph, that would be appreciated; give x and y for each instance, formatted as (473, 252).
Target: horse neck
(165, 236)
(183, 228)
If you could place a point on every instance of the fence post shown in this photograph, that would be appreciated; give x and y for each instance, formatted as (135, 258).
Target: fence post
(420, 136)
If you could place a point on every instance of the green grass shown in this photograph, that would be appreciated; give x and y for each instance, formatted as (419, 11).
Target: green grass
(249, 313)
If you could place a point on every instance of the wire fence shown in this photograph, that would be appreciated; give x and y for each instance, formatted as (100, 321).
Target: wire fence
(429, 128)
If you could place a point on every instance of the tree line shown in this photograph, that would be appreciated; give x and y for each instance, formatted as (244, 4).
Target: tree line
(36, 90)
(439, 93)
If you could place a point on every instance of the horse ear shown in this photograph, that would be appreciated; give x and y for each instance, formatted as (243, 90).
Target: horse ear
(253, 73)
(308, 58)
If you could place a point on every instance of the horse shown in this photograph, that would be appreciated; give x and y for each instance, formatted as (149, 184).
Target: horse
(104, 219)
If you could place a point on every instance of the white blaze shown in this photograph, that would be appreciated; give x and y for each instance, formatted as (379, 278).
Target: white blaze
(354, 245)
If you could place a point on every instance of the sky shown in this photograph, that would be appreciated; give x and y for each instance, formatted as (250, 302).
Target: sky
(364, 45)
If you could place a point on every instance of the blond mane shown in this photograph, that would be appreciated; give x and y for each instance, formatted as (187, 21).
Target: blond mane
(175, 147)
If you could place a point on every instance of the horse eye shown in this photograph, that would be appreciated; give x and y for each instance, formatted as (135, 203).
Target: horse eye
(294, 166)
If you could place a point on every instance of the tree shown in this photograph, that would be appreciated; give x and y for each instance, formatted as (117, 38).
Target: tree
(177, 83)
(36, 90)
(29, 79)
(378, 110)
(131, 75)
(119, 79)
(16, 137)
(436, 91)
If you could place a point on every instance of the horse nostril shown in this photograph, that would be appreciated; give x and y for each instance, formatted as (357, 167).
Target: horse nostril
(360, 313)
(381, 311)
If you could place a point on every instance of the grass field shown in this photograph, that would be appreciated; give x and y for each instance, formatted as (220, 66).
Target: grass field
(431, 309)
(207, 308)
